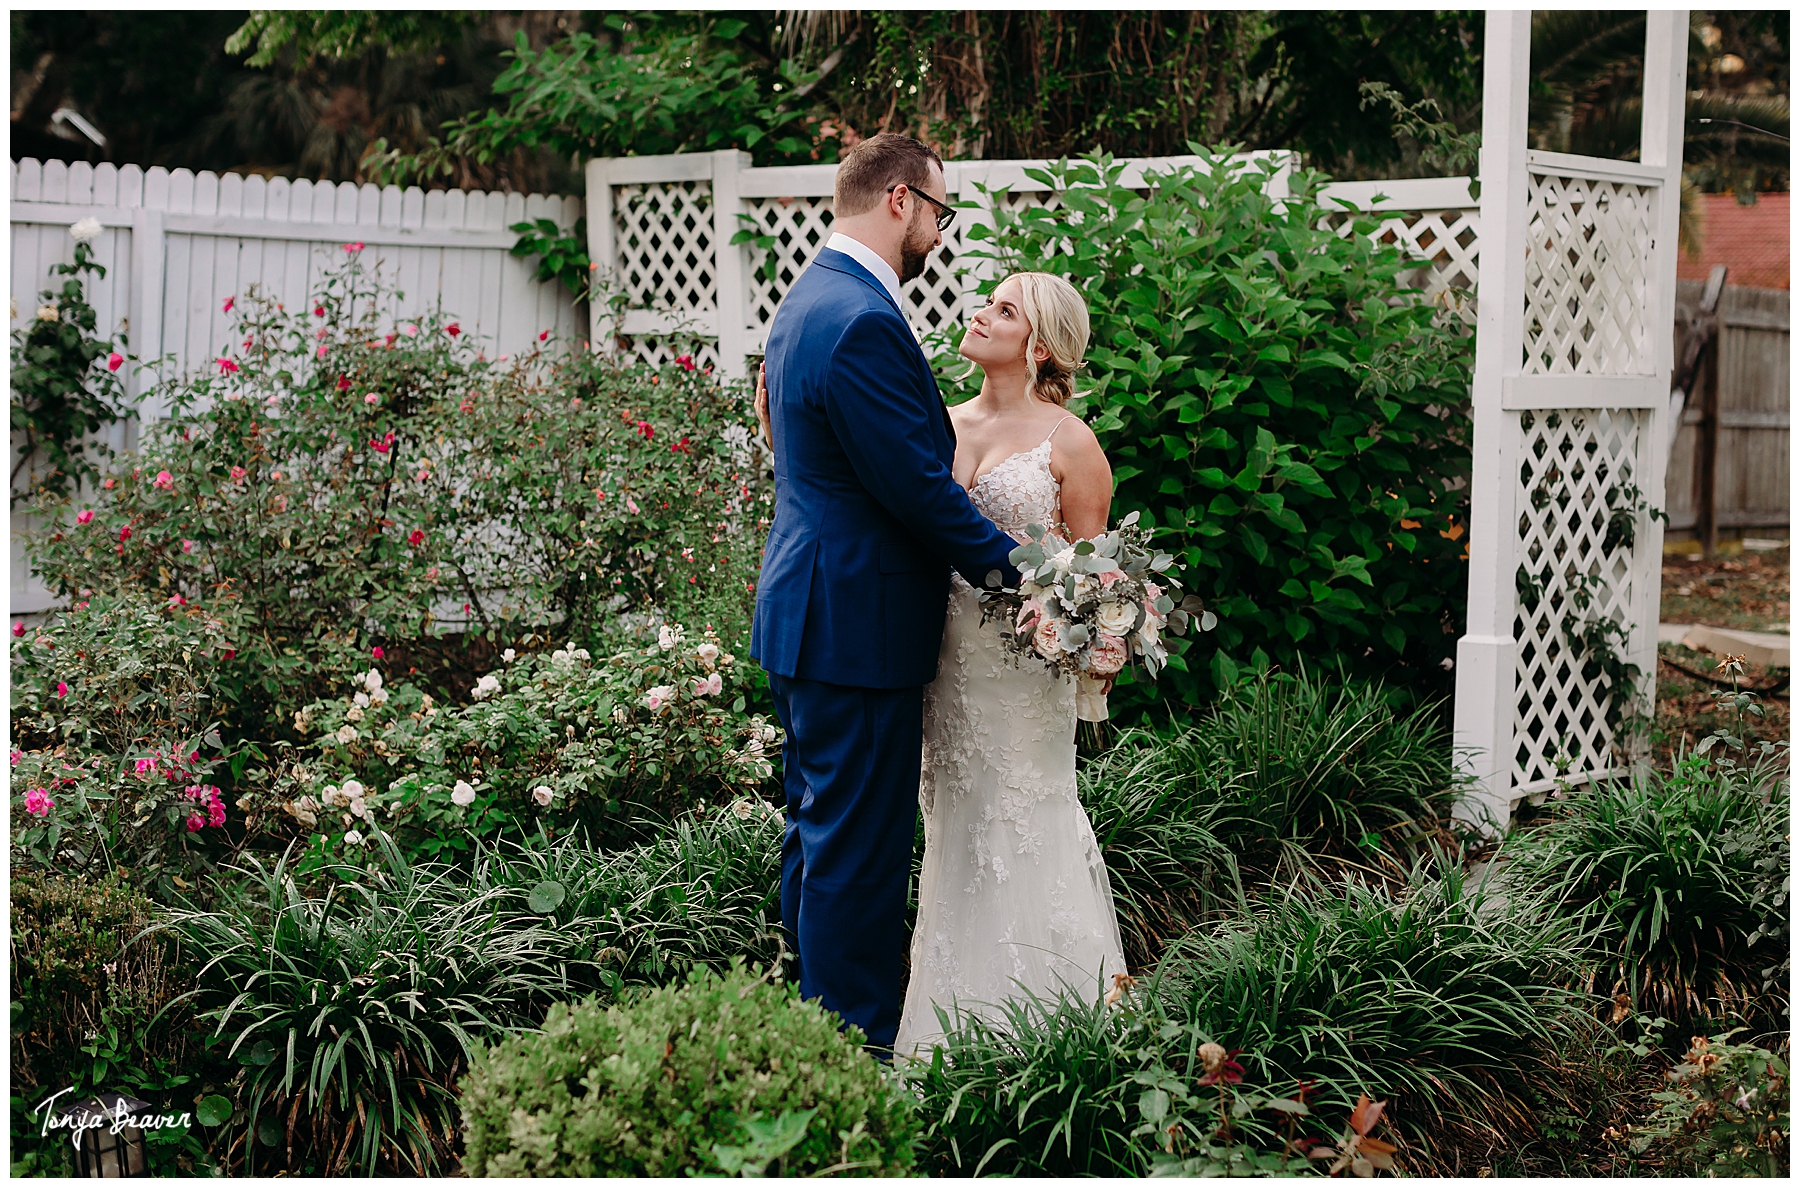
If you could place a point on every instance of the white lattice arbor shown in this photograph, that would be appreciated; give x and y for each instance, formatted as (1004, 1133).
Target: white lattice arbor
(1573, 355)
(661, 229)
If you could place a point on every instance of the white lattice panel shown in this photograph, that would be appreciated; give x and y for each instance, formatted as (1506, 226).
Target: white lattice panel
(1587, 276)
(1446, 242)
(1574, 463)
(800, 227)
(665, 246)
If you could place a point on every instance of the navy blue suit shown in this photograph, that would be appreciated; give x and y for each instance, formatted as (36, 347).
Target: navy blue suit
(849, 618)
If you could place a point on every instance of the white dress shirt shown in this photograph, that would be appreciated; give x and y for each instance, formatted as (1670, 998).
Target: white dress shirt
(863, 254)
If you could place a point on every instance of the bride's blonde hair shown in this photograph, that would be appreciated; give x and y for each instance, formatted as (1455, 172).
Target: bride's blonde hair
(1059, 323)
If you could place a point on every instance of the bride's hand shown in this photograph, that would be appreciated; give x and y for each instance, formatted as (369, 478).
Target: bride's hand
(762, 404)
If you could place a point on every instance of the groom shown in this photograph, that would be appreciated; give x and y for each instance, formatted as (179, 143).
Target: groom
(856, 574)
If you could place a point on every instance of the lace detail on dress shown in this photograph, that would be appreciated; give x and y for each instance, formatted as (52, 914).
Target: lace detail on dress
(1013, 893)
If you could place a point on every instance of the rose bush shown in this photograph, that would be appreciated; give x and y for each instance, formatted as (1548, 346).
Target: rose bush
(353, 484)
(118, 757)
(561, 737)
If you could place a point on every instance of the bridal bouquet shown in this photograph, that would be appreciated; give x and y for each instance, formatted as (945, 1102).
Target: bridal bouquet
(1088, 609)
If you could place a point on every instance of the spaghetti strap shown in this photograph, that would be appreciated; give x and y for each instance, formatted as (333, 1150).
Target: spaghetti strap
(1058, 425)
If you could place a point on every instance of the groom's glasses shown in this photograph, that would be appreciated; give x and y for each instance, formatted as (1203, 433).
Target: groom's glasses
(945, 215)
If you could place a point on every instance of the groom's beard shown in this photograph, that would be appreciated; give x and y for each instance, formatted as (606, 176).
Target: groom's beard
(915, 249)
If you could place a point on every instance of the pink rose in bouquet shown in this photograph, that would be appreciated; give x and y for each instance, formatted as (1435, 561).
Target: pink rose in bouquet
(1107, 655)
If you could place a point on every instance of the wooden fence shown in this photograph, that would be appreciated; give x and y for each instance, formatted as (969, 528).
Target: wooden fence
(1750, 370)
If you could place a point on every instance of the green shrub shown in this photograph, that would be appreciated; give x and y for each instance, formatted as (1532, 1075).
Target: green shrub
(95, 1008)
(724, 1074)
(1270, 399)
(1725, 1113)
(1444, 998)
(353, 1010)
(1323, 764)
(66, 384)
(562, 738)
(114, 709)
(349, 488)
(1674, 868)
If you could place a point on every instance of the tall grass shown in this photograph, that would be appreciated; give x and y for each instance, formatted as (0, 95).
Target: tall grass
(1307, 763)
(1152, 805)
(354, 1010)
(1443, 998)
(355, 1006)
(1669, 866)
(707, 891)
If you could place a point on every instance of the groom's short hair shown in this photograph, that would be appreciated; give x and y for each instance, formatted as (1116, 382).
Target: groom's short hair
(873, 165)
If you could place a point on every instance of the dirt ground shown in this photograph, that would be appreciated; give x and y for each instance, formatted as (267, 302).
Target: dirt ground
(1748, 591)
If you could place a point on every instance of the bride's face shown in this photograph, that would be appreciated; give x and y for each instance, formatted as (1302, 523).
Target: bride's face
(998, 333)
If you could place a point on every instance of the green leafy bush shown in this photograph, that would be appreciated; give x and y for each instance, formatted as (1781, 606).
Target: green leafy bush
(347, 488)
(561, 737)
(1725, 1113)
(1445, 997)
(114, 710)
(1671, 867)
(724, 1074)
(353, 1010)
(65, 381)
(1273, 401)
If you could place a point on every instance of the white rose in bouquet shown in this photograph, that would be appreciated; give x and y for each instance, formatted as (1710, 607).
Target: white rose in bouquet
(1116, 618)
(1052, 638)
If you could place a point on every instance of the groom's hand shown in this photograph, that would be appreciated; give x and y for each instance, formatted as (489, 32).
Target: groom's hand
(762, 403)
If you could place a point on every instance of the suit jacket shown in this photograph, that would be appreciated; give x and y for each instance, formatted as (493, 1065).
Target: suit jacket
(868, 521)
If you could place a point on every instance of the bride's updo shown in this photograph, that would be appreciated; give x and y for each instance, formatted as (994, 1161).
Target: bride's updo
(1059, 323)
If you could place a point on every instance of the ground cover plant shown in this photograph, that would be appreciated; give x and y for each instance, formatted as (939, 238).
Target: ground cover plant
(729, 1074)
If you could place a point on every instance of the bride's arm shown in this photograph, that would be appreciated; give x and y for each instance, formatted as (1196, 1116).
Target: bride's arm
(1079, 463)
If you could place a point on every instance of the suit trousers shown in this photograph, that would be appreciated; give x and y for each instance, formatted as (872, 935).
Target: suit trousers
(850, 768)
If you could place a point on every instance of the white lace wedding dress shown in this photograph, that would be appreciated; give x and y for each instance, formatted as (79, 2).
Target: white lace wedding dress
(1012, 895)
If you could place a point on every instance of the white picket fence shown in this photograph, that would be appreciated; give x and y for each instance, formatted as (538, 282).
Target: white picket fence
(176, 244)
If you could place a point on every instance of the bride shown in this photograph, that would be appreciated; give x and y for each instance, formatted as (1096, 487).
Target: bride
(1013, 896)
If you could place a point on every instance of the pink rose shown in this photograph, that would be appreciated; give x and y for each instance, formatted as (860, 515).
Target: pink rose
(543, 336)
(415, 538)
(708, 687)
(38, 802)
(115, 361)
(1107, 655)
(685, 362)
(1050, 638)
(196, 823)
(321, 350)
(452, 329)
(318, 311)
(84, 516)
(353, 248)
(187, 546)
(238, 474)
(1110, 576)
(163, 479)
(62, 688)
(371, 398)
(658, 697)
(378, 653)
(631, 505)
(229, 302)
(227, 366)
(146, 766)
(411, 330)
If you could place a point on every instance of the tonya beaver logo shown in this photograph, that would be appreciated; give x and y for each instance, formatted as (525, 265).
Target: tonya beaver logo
(111, 1110)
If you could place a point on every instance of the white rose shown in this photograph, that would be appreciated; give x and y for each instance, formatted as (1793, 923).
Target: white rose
(47, 313)
(463, 793)
(372, 680)
(329, 795)
(708, 653)
(346, 735)
(743, 810)
(668, 638)
(85, 231)
(379, 697)
(1063, 559)
(559, 657)
(353, 789)
(1147, 633)
(1050, 637)
(354, 713)
(543, 795)
(1116, 618)
(486, 687)
(361, 699)
(508, 655)
(359, 808)
(754, 747)
(581, 654)
(353, 838)
(620, 715)
(768, 734)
